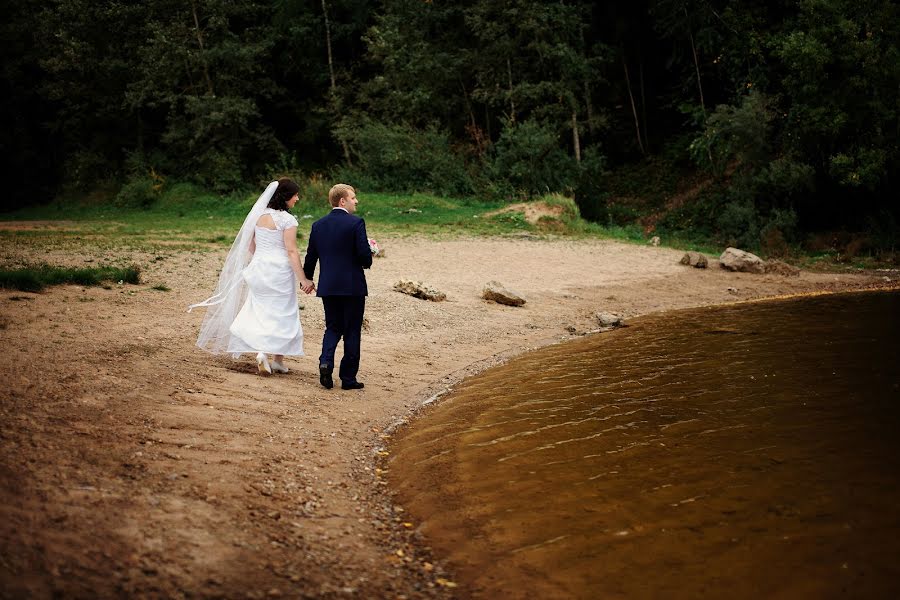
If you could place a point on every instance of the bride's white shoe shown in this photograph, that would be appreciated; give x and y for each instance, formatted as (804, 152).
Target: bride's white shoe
(279, 367)
(262, 363)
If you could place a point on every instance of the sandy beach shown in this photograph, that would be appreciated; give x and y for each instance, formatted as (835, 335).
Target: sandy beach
(135, 465)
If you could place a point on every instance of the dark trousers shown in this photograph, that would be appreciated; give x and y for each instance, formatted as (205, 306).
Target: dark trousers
(343, 319)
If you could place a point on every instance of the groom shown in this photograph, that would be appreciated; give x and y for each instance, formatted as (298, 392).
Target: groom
(339, 242)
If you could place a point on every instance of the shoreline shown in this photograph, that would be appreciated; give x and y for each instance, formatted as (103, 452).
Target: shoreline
(199, 477)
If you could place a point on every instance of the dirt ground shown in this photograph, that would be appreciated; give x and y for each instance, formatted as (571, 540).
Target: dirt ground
(135, 465)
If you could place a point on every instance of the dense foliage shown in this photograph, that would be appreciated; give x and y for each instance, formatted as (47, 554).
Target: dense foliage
(748, 121)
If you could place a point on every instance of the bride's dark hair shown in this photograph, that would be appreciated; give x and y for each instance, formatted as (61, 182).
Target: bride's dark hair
(284, 192)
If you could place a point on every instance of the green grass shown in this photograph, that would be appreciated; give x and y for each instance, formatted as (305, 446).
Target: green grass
(188, 218)
(35, 278)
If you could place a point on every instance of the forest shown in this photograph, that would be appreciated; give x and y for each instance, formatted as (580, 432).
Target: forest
(759, 124)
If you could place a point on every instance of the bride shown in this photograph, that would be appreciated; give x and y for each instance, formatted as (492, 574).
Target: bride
(254, 308)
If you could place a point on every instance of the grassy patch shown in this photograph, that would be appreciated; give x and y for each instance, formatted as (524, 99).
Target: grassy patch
(36, 278)
(188, 218)
(161, 287)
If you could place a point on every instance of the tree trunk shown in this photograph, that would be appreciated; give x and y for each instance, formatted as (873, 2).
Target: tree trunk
(476, 134)
(576, 143)
(589, 105)
(512, 103)
(643, 97)
(468, 104)
(637, 122)
(209, 85)
(696, 65)
(333, 90)
(328, 48)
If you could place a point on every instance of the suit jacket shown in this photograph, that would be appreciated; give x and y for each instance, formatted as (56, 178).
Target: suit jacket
(339, 242)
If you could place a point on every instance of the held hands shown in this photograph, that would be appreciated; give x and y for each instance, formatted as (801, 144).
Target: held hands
(307, 286)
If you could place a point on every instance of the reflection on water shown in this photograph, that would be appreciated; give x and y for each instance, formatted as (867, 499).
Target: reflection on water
(748, 451)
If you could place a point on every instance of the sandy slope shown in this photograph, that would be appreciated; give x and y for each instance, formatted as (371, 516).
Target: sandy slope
(134, 464)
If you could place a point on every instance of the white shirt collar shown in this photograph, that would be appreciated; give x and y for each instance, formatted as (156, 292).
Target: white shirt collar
(340, 208)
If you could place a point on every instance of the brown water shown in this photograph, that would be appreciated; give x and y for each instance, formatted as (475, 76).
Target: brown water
(743, 452)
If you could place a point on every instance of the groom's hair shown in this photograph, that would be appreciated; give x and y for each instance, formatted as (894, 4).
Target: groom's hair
(339, 191)
(284, 192)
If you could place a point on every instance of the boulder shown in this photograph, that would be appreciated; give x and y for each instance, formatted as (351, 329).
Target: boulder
(781, 268)
(739, 260)
(417, 289)
(694, 259)
(495, 292)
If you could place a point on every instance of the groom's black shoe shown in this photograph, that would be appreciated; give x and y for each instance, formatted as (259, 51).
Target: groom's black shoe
(325, 377)
(356, 385)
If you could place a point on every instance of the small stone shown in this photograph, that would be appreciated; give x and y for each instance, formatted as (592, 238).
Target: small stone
(654, 241)
(495, 292)
(417, 289)
(694, 259)
(609, 320)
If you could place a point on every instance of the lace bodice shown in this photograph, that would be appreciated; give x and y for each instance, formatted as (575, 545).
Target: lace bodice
(271, 241)
(283, 219)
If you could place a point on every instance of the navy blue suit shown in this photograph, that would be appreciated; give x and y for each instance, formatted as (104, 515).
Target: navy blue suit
(338, 241)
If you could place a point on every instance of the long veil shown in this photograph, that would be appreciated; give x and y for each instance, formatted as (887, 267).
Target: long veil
(223, 306)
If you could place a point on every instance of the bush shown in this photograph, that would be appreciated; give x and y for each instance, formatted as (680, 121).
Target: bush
(313, 194)
(527, 161)
(738, 224)
(139, 192)
(85, 168)
(590, 193)
(736, 135)
(215, 140)
(778, 232)
(781, 181)
(400, 158)
(864, 167)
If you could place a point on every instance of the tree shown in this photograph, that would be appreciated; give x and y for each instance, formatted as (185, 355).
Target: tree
(201, 75)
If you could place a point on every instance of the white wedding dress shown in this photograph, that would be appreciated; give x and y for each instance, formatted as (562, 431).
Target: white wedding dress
(269, 320)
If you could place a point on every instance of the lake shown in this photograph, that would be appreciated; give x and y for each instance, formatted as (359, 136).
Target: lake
(748, 451)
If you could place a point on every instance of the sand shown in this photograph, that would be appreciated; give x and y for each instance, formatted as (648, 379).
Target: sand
(134, 464)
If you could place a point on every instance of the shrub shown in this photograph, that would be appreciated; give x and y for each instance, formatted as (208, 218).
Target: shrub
(85, 168)
(527, 161)
(738, 224)
(590, 193)
(781, 181)
(736, 135)
(139, 192)
(401, 158)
